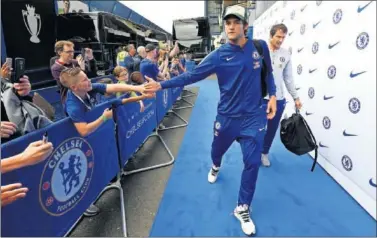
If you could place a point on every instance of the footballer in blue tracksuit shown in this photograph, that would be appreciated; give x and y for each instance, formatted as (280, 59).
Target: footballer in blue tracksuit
(241, 116)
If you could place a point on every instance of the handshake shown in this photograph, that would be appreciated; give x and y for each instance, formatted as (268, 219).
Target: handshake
(148, 89)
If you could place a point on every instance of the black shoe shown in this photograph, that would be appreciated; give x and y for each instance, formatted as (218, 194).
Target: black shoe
(91, 211)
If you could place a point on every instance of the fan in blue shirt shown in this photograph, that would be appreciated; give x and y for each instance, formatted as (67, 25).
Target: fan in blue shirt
(241, 115)
(81, 98)
(148, 66)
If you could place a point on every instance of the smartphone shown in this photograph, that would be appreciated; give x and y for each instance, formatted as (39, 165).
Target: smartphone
(9, 62)
(19, 69)
(45, 137)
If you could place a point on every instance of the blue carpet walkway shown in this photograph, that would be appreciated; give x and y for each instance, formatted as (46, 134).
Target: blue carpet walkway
(289, 201)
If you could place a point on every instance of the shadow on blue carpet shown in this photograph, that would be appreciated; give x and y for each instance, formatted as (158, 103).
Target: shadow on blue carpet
(289, 200)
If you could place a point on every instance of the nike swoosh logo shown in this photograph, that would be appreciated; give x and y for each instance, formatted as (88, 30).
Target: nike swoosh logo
(308, 113)
(327, 98)
(372, 184)
(316, 24)
(332, 45)
(303, 8)
(299, 50)
(290, 33)
(297, 88)
(227, 59)
(346, 134)
(352, 75)
(323, 146)
(312, 70)
(360, 9)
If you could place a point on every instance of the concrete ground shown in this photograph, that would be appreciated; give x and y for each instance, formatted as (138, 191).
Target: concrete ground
(142, 191)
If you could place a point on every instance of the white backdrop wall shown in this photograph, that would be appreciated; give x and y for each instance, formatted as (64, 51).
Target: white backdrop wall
(333, 45)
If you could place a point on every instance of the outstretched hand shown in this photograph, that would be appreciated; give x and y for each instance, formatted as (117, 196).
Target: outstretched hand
(152, 86)
(12, 192)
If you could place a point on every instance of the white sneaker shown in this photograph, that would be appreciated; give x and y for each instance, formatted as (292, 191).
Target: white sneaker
(242, 213)
(213, 173)
(265, 161)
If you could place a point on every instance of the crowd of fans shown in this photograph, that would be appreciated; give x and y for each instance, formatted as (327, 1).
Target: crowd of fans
(21, 113)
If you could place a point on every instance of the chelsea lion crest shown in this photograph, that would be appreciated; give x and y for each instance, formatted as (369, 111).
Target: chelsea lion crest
(256, 55)
(66, 176)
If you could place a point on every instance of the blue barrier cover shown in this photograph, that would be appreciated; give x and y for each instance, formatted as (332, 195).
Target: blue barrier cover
(135, 126)
(175, 93)
(63, 186)
(51, 94)
(164, 103)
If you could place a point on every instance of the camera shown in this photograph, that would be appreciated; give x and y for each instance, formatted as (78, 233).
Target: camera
(19, 70)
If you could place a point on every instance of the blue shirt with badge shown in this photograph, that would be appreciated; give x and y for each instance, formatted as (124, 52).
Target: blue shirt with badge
(149, 68)
(238, 72)
(76, 107)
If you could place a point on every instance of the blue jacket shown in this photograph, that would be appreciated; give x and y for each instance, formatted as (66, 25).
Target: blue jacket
(238, 72)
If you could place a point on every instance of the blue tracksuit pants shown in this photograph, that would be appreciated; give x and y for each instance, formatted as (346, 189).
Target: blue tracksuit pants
(249, 132)
(272, 125)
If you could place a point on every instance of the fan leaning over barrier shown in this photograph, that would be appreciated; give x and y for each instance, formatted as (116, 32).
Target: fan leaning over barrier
(81, 98)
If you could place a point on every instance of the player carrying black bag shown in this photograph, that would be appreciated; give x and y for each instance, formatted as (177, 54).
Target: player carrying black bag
(297, 137)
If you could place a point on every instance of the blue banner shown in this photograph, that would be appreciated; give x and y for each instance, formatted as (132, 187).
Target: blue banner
(63, 186)
(164, 103)
(175, 93)
(135, 126)
(51, 94)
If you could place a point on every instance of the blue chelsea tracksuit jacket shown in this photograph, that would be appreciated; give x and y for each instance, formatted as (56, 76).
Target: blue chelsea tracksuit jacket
(238, 72)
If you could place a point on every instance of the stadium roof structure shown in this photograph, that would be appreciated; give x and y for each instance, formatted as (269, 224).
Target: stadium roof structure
(138, 21)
